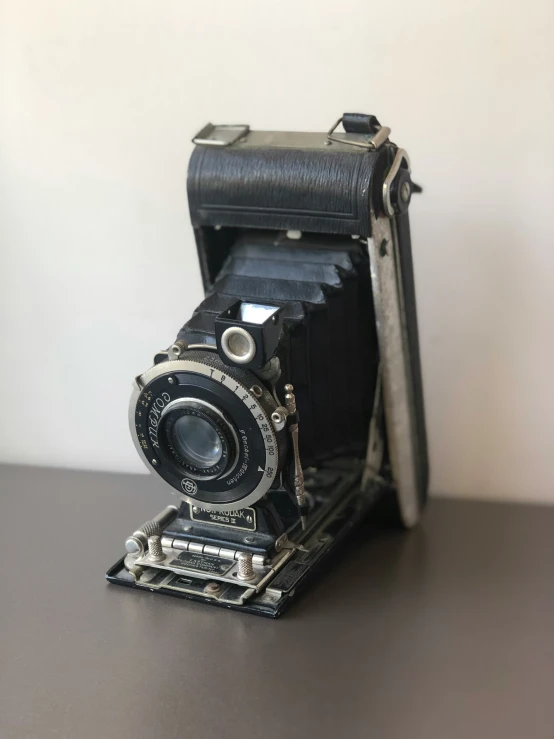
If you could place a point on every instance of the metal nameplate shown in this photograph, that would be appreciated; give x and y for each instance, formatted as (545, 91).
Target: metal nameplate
(245, 519)
(206, 563)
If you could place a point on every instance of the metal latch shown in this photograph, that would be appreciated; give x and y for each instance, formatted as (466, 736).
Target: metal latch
(224, 135)
(370, 141)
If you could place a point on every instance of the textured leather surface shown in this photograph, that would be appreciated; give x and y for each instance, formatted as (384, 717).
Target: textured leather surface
(281, 188)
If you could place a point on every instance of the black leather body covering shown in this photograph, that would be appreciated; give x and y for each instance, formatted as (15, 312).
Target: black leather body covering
(242, 200)
(323, 190)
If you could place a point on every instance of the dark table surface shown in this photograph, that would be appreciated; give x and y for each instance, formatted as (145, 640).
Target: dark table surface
(444, 632)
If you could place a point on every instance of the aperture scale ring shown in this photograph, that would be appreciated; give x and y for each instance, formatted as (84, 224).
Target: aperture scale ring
(260, 408)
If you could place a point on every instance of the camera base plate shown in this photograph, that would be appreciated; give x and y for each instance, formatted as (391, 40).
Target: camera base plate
(298, 567)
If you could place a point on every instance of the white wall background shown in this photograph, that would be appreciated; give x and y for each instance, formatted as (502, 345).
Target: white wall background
(98, 103)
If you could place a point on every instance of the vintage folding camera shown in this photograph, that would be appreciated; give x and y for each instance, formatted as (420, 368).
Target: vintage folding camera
(291, 401)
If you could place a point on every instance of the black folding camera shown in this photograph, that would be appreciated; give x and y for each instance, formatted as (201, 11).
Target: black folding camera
(291, 401)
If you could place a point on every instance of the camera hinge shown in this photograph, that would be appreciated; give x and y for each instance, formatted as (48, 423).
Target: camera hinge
(398, 186)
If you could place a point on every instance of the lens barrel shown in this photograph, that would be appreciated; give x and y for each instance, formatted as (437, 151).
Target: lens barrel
(198, 437)
(205, 428)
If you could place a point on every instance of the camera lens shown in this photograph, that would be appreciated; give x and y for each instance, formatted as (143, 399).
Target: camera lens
(205, 429)
(196, 441)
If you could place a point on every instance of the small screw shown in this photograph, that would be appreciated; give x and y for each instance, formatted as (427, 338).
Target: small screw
(155, 463)
(405, 191)
(249, 539)
(171, 380)
(212, 587)
(178, 348)
(279, 418)
(256, 391)
(195, 509)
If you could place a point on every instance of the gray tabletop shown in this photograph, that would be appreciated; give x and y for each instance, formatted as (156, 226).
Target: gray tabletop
(445, 632)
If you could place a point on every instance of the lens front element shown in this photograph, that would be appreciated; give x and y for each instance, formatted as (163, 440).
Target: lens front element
(196, 441)
(199, 438)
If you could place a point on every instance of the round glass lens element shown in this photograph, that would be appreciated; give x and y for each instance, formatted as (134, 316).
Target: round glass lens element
(196, 441)
(239, 345)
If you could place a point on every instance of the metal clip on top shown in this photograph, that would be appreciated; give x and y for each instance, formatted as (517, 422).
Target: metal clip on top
(224, 135)
(374, 134)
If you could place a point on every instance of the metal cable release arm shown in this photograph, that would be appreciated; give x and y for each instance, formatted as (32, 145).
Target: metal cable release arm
(292, 420)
